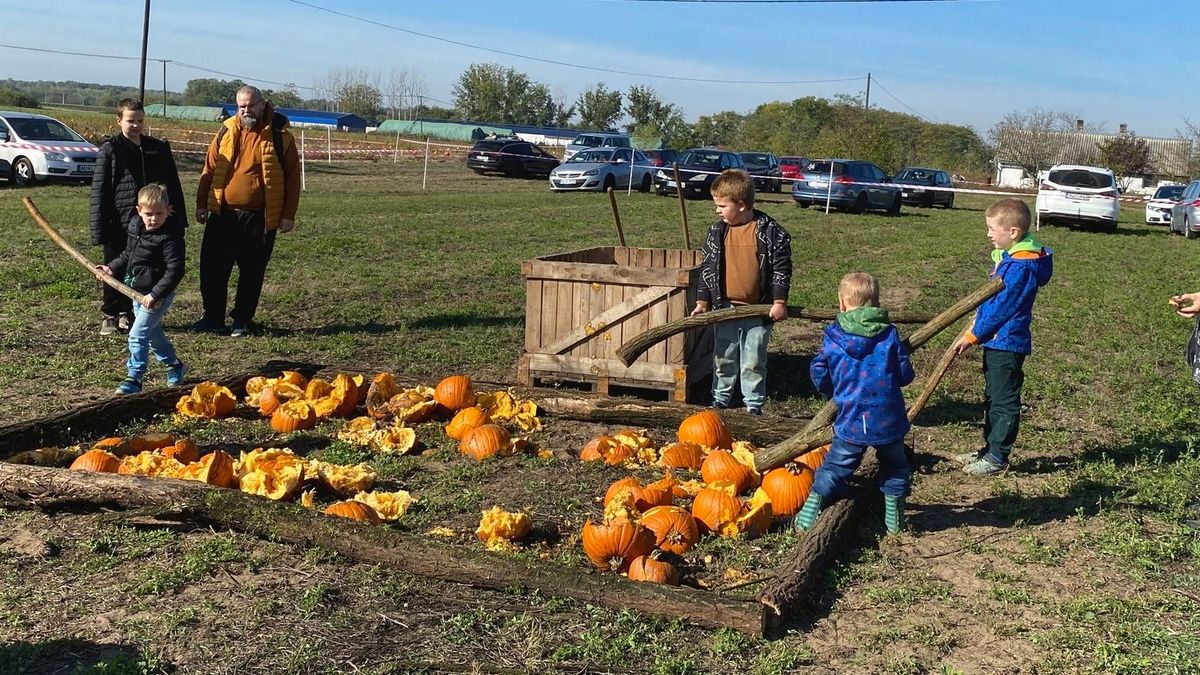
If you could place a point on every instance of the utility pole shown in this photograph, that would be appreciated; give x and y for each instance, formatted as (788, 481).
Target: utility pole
(866, 104)
(164, 61)
(145, 42)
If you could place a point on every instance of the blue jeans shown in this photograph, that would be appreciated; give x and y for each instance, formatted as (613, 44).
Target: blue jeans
(146, 335)
(843, 459)
(740, 350)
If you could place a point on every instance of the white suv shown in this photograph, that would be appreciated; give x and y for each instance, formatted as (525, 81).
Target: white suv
(1073, 193)
(596, 139)
(41, 148)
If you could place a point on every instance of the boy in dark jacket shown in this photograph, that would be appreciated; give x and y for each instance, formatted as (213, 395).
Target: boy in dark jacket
(152, 264)
(127, 162)
(1001, 326)
(747, 259)
(862, 365)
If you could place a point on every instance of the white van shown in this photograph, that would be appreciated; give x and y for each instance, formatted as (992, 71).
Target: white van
(41, 148)
(1074, 193)
(596, 139)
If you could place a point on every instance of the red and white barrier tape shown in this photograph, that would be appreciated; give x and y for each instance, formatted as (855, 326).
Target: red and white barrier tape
(53, 148)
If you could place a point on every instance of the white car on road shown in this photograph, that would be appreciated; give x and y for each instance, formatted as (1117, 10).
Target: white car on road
(1158, 209)
(1085, 195)
(41, 148)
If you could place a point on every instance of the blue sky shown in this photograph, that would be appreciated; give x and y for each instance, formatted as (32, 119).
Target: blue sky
(957, 62)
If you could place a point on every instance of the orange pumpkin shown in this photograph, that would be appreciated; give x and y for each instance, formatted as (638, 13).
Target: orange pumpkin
(653, 569)
(349, 391)
(713, 508)
(96, 460)
(383, 388)
(185, 451)
(354, 511)
(215, 468)
(788, 487)
(813, 458)
(455, 393)
(293, 378)
(295, 415)
(485, 441)
(681, 455)
(114, 444)
(466, 420)
(607, 448)
(674, 529)
(613, 545)
(706, 428)
(756, 515)
(147, 442)
(721, 465)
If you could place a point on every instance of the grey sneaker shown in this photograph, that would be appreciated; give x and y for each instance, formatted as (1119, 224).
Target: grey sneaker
(124, 322)
(239, 330)
(984, 467)
(108, 326)
(969, 457)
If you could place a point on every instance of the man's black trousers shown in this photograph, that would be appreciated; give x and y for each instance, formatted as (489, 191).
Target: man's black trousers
(235, 237)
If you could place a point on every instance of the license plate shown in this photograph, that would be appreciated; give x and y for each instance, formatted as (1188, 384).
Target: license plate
(670, 183)
(85, 168)
(904, 194)
(1078, 197)
(568, 181)
(818, 183)
(483, 158)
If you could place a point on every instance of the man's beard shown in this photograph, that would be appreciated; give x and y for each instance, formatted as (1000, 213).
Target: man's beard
(248, 121)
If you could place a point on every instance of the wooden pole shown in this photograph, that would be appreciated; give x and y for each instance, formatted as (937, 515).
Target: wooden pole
(687, 237)
(79, 257)
(638, 344)
(612, 201)
(935, 378)
(819, 432)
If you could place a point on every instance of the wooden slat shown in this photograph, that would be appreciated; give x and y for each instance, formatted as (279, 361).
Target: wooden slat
(533, 315)
(657, 316)
(593, 327)
(616, 371)
(566, 304)
(619, 274)
(638, 323)
(677, 308)
(549, 307)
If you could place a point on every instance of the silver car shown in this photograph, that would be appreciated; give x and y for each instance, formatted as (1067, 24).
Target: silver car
(1185, 214)
(602, 168)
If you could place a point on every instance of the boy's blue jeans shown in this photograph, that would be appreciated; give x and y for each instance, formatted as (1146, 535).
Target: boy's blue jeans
(1003, 377)
(740, 350)
(146, 335)
(843, 459)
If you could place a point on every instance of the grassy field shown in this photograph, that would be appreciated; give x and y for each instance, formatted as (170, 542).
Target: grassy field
(1077, 560)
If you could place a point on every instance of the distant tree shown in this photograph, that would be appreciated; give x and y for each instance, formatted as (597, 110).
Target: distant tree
(209, 91)
(643, 106)
(402, 92)
(283, 98)
(1035, 139)
(490, 92)
(719, 129)
(434, 112)
(11, 98)
(1127, 155)
(598, 108)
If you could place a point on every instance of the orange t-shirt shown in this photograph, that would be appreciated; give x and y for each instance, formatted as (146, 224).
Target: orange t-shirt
(741, 264)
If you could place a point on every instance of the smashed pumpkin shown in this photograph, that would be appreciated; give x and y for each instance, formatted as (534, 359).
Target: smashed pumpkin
(354, 511)
(207, 400)
(100, 461)
(499, 528)
(387, 505)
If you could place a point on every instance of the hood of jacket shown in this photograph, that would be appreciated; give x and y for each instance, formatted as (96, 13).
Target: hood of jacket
(857, 331)
(1028, 252)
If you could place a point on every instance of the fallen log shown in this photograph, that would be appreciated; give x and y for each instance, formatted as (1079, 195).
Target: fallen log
(819, 430)
(102, 417)
(638, 344)
(49, 488)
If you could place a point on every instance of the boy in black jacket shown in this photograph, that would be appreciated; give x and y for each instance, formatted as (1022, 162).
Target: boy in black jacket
(127, 162)
(152, 263)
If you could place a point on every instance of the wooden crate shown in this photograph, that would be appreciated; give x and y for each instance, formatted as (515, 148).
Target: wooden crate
(580, 307)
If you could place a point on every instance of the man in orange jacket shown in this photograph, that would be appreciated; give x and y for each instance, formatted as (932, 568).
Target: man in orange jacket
(249, 191)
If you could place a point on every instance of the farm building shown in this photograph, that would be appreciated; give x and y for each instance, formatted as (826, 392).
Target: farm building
(338, 121)
(533, 134)
(441, 130)
(204, 113)
(1170, 157)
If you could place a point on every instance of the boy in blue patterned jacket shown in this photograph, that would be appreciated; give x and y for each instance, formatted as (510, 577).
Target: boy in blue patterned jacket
(1001, 327)
(862, 365)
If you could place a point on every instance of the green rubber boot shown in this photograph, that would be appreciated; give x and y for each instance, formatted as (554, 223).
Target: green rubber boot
(808, 514)
(893, 514)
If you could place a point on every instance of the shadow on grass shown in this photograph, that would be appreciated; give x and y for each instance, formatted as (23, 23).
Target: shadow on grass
(950, 412)
(1124, 231)
(787, 376)
(71, 656)
(443, 321)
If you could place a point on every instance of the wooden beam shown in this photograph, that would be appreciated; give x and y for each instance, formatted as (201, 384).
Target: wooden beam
(604, 320)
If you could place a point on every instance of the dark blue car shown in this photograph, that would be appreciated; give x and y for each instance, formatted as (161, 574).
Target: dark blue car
(847, 184)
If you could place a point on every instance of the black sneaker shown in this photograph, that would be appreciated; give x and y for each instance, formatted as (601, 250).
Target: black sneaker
(108, 326)
(206, 325)
(719, 405)
(757, 412)
(239, 330)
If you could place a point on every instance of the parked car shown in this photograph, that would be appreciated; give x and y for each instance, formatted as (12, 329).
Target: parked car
(915, 182)
(1073, 193)
(661, 157)
(764, 166)
(792, 166)
(698, 168)
(849, 184)
(40, 148)
(1185, 213)
(1158, 209)
(5, 170)
(596, 139)
(511, 157)
(603, 168)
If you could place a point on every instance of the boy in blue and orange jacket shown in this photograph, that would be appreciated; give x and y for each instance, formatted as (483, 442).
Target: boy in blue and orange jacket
(1001, 327)
(862, 365)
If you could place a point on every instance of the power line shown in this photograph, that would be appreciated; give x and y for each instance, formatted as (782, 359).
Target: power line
(566, 63)
(877, 83)
(57, 51)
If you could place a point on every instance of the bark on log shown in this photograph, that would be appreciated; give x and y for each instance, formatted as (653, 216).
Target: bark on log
(638, 344)
(796, 581)
(819, 432)
(104, 416)
(50, 488)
